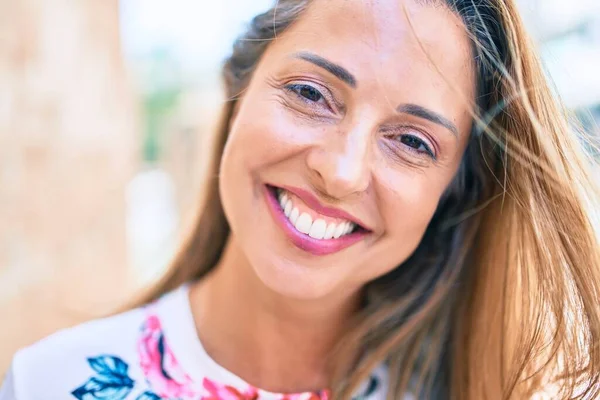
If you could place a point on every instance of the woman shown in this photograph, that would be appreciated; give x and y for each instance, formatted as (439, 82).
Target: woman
(401, 210)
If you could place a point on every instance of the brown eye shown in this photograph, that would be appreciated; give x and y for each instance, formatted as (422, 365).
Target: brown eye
(307, 92)
(416, 144)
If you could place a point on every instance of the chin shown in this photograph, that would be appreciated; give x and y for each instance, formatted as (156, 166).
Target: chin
(297, 281)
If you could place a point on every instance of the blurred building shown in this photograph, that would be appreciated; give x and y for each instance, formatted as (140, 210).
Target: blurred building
(67, 151)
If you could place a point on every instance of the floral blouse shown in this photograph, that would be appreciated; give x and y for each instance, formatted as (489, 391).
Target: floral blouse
(145, 354)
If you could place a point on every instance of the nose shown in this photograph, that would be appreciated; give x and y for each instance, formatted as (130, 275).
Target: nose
(340, 164)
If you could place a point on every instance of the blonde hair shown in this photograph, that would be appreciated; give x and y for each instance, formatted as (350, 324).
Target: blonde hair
(501, 299)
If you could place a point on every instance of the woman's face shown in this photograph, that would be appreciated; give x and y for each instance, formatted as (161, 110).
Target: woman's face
(353, 126)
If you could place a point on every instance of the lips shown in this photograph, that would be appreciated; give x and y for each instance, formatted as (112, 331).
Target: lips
(310, 226)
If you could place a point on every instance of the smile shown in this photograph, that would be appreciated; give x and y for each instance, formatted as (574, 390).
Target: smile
(310, 226)
(315, 226)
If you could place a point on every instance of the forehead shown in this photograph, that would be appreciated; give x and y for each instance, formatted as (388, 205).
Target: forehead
(404, 46)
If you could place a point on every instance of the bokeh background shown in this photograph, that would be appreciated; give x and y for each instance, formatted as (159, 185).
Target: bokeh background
(104, 110)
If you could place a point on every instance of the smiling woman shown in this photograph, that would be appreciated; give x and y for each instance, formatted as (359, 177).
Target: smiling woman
(397, 207)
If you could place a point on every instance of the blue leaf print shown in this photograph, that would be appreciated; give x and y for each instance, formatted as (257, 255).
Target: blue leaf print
(110, 383)
(148, 396)
(105, 365)
(94, 389)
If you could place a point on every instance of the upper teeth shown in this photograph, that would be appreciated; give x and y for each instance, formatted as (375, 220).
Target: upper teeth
(318, 228)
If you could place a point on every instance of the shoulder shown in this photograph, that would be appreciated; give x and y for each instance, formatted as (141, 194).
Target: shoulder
(61, 362)
(94, 335)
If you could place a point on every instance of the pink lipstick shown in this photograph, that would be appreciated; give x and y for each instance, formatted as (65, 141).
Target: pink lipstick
(318, 247)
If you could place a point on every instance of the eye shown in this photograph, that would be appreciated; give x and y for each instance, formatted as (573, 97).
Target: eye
(416, 144)
(306, 92)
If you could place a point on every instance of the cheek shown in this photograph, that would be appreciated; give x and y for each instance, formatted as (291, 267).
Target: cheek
(410, 197)
(264, 133)
(410, 217)
(407, 202)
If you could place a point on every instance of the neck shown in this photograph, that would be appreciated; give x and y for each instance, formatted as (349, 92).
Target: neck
(274, 343)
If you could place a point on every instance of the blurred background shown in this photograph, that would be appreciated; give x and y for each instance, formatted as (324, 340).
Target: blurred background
(104, 107)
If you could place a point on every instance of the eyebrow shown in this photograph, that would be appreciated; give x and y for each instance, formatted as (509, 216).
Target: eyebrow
(340, 72)
(344, 75)
(424, 113)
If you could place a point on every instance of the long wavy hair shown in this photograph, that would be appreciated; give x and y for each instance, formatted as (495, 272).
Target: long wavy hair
(501, 298)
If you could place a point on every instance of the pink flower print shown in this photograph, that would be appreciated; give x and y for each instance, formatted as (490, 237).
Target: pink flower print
(169, 381)
(163, 373)
(217, 391)
(322, 395)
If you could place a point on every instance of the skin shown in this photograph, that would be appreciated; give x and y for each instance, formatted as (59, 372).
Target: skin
(271, 312)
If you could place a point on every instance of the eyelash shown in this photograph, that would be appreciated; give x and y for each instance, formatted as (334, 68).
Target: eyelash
(295, 88)
(427, 150)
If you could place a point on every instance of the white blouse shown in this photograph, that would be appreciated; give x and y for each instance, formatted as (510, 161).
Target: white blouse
(149, 353)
